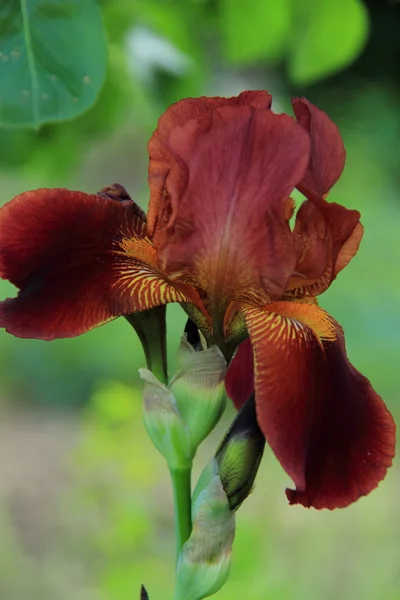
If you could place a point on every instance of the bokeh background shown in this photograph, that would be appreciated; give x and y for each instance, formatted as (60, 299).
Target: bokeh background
(85, 503)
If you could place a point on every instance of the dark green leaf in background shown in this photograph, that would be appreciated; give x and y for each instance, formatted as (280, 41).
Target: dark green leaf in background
(53, 58)
(254, 29)
(327, 35)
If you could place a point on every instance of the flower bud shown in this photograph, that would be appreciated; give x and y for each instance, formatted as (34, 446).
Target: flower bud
(165, 426)
(237, 458)
(199, 389)
(204, 562)
(179, 416)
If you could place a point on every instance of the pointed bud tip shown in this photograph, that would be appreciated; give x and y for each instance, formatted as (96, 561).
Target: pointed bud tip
(240, 454)
(143, 594)
(147, 376)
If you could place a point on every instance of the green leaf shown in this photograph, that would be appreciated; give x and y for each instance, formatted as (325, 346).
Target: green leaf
(181, 24)
(53, 58)
(254, 29)
(327, 36)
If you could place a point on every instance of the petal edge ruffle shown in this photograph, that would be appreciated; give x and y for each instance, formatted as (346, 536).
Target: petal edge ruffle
(327, 236)
(328, 155)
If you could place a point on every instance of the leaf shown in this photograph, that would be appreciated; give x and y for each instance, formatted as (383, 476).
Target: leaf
(327, 36)
(53, 58)
(254, 29)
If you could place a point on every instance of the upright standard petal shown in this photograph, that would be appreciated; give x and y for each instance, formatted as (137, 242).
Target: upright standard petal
(327, 236)
(329, 429)
(79, 260)
(178, 115)
(327, 156)
(222, 200)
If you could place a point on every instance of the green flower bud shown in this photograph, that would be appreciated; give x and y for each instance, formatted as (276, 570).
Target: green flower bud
(165, 426)
(179, 416)
(204, 562)
(237, 458)
(199, 389)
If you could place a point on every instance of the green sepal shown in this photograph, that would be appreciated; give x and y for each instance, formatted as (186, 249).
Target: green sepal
(165, 426)
(199, 389)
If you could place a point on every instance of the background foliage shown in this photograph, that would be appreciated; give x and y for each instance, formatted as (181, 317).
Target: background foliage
(85, 507)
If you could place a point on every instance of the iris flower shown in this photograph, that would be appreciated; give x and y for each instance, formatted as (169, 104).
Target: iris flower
(217, 239)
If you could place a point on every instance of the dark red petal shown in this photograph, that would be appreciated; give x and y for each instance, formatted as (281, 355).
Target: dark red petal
(239, 381)
(178, 115)
(222, 200)
(329, 429)
(327, 155)
(185, 110)
(79, 261)
(327, 236)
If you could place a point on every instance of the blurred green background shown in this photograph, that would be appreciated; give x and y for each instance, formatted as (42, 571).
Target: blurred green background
(85, 504)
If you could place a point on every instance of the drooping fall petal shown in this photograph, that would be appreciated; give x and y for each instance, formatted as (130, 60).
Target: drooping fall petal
(329, 429)
(327, 236)
(239, 381)
(327, 156)
(79, 260)
(218, 210)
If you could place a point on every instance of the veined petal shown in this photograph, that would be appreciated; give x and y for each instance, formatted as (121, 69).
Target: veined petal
(327, 156)
(79, 261)
(327, 236)
(220, 182)
(178, 115)
(329, 429)
(239, 381)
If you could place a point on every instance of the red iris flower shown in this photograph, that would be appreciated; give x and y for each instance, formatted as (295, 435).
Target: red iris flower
(217, 239)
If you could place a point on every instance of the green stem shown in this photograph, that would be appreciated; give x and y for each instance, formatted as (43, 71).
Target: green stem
(182, 505)
(150, 325)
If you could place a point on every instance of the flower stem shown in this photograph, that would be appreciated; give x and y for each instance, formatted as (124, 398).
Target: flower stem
(182, 505)
(150, 326)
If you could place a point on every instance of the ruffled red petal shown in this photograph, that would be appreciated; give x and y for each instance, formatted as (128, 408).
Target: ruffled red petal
(79, 261)
(327, 236)
(329, 429)
(239, 380)
(178, 115)
(218, 212)
(327, 156)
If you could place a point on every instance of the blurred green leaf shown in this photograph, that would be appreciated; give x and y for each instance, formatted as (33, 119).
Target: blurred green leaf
(53, 58)
(327, 36)
(178, 28)
(254, 29)
(52, 151)
(115, 402)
